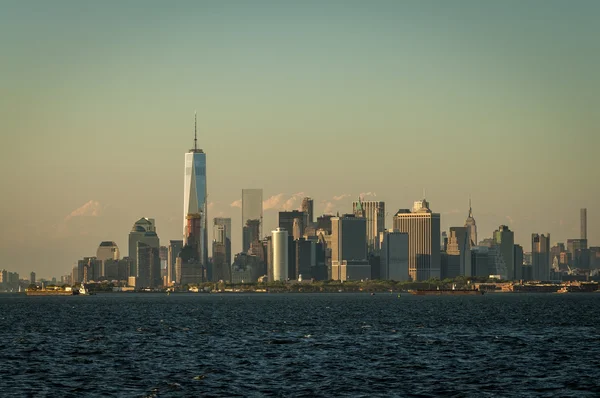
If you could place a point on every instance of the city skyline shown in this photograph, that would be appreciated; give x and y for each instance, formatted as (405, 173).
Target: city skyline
(471, 96)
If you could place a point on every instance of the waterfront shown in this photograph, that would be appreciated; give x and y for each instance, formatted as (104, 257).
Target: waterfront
(300, 345)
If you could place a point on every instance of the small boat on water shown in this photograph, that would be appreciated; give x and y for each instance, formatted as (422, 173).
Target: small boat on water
(83, 290)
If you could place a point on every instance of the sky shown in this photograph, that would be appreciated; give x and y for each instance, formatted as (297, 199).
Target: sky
(389, 99)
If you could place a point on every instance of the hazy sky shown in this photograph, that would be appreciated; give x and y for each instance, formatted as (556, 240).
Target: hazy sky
(499, 100)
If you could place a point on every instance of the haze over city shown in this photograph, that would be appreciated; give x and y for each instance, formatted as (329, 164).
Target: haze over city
(497, 102)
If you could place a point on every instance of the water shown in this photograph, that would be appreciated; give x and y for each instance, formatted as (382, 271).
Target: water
(145, 345)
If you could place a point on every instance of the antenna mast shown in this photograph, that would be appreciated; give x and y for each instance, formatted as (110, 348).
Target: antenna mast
(195, 132)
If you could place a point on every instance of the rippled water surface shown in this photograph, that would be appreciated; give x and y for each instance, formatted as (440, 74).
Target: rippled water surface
(145, 345)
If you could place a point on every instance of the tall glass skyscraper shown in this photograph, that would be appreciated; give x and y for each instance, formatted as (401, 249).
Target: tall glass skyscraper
(252, 216)
(194, 191)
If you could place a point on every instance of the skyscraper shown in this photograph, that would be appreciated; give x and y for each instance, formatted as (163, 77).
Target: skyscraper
(394, 256)
(286, 221)
(308, 208)
(540, 257)
(175, 247)
(280, 254)
(224, 221)
(349, 257)
(583, 214)
(221, 249)
(374, 212)
(459, 246)
(252, 210)
(148, 266)
(107, 251)
(423, 228)
(194, 191)
(471, 227)
(144, 230)
(504, 239)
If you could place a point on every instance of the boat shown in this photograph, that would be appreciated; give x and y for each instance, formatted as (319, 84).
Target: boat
(85, 291)
(447, 292)
(51, 292)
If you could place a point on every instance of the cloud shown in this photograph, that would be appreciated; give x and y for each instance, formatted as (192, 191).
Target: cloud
(290, 204)
(283, 201)
(237, 203)
(363, 194)
(510, 220)
(273, 202)
(89, 209)
(340, 197)
(329, 206)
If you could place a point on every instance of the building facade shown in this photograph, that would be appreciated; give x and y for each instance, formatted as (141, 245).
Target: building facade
(374, 213)
(471, 226)
(349, 257)
(504, 239)
(540, 257)
(252, 209)
(423, 229)
(393, 263)
(195, 193)
(280, 254)
(308, 208)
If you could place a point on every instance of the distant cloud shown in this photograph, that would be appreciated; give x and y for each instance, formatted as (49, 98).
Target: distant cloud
(340, 197)
(237, 203)
(363, 194)
(510, 220)
(273, 202)
(283, 201)
(89, 209)
(329, 206)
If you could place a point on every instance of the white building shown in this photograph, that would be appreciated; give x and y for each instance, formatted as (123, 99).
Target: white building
(423, 229)
(280, 254)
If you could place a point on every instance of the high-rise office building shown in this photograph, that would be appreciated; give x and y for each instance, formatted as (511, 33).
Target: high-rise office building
(144, 230)
(540, 257)
(221, 249)
(252, 216)
(148, 266)
(374, 212)
(583, 222)
(504, 239)
(280, 254)
(250, 234)
(189, 267)
(89, 269)
(458, 252)
(175, 247)
(518, 259)
(195, 193)
(305, 259)
(286, 221)
(107, 251)
(308, 208)
(471, 226)
(349, 257)
(423, 229)
(224, 221)
(32, 277)
(393, 263)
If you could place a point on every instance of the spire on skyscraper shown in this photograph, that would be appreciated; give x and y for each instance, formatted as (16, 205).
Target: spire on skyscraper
(195, 131)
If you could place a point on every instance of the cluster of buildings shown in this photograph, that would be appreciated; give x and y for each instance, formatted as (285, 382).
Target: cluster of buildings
(352, 246)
